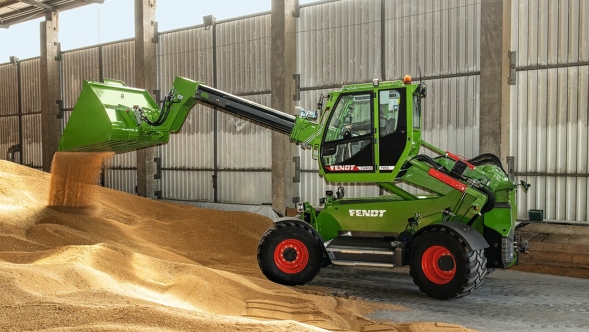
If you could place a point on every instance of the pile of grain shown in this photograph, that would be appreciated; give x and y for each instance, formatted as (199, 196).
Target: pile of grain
(128, 263)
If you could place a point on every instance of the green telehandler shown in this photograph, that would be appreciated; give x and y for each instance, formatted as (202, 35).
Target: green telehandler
(456, 227)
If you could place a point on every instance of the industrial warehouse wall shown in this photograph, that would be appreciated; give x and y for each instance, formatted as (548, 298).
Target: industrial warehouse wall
(342, 42)
(20, 90)
(549, 106)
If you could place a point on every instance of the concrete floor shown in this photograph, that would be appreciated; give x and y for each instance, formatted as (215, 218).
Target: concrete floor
(507, 301)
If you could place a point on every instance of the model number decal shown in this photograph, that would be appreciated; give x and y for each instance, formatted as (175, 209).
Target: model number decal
(367, 213)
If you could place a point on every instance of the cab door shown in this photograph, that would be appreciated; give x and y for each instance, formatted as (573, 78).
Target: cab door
(348, 141)
(392, 134)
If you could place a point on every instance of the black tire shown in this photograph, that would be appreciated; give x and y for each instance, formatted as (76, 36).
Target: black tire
(443, 266)
(290, 253)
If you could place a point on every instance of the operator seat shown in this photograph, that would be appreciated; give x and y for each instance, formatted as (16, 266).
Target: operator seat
(389, 127)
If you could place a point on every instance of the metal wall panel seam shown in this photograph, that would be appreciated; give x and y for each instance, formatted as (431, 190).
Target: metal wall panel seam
(563, 31)
(9, 90)
(30, 86)
(521, 160)
(531, 114)
(32, 145)
(540, 158)
(573, 28)
(543, 35)
(76, 67)
(523, 33)
(532, 27)
(551, 121)
(9, 133)
(584, 33)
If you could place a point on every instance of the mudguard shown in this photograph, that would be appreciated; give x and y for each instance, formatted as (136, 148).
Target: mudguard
(469, 235)
(297, 220)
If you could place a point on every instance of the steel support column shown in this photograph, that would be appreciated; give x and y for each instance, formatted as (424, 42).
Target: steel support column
(50, 88)
(146, 78)
(283, 67)
(494, 89)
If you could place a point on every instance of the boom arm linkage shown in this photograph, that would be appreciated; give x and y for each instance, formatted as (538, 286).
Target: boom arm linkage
(267, 116)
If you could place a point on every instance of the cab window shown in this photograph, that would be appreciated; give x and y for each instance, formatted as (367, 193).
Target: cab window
(393, 128)
(348, 144)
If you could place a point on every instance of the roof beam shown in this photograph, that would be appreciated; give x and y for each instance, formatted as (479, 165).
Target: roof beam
(38, 4)
(94, 1)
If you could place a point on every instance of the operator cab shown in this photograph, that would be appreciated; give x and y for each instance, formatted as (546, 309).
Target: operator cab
(368, 129)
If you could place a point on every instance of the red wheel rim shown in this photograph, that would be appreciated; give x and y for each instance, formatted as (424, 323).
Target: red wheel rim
(290, 264)
(430, 264)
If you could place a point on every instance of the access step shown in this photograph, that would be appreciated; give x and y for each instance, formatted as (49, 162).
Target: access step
(364, 251)
(369, 264)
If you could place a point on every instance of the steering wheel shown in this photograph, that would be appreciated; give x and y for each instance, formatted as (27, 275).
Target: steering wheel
(348, 132)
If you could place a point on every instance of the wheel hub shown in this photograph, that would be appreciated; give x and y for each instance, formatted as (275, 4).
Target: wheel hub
(438, 265)
(446, 263)
(291, 256)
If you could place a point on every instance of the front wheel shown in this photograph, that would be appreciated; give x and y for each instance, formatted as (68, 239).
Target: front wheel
(443, 266)
(290, 253)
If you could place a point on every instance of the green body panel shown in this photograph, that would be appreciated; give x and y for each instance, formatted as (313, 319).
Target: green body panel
(105, 117)
(500, 220)
(387, 214)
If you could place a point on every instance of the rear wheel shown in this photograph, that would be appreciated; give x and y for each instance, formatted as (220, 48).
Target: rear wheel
(443, 266)
(290, 253)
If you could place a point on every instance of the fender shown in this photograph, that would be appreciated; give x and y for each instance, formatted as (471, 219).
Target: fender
(285, 220)
(473, 239)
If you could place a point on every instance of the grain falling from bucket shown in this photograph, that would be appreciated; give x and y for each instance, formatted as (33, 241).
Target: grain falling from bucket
(73, 177)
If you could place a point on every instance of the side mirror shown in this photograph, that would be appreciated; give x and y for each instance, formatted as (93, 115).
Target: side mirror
(525, 186)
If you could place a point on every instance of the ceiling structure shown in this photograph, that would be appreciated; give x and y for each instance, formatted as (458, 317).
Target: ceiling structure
(18, 11)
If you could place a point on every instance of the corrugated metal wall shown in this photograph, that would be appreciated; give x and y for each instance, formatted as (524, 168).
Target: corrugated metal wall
(339, 43)
(9, 131)
(32, 149)
(549, 107)
(188, 159)
(78, 66)
(211, 143)
(118, 61)
(243, 55)
(244, 148)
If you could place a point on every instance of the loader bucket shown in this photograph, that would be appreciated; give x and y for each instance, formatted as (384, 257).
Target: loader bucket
(110, 116)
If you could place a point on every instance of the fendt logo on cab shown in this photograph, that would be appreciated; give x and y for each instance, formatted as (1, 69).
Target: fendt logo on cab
(367, 213)
(342, 168)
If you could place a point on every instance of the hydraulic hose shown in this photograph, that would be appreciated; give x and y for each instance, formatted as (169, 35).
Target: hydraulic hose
(487, 158)
(490, 199)
(430, 161)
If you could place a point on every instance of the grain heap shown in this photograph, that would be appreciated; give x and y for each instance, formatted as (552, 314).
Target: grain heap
(127, 263)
